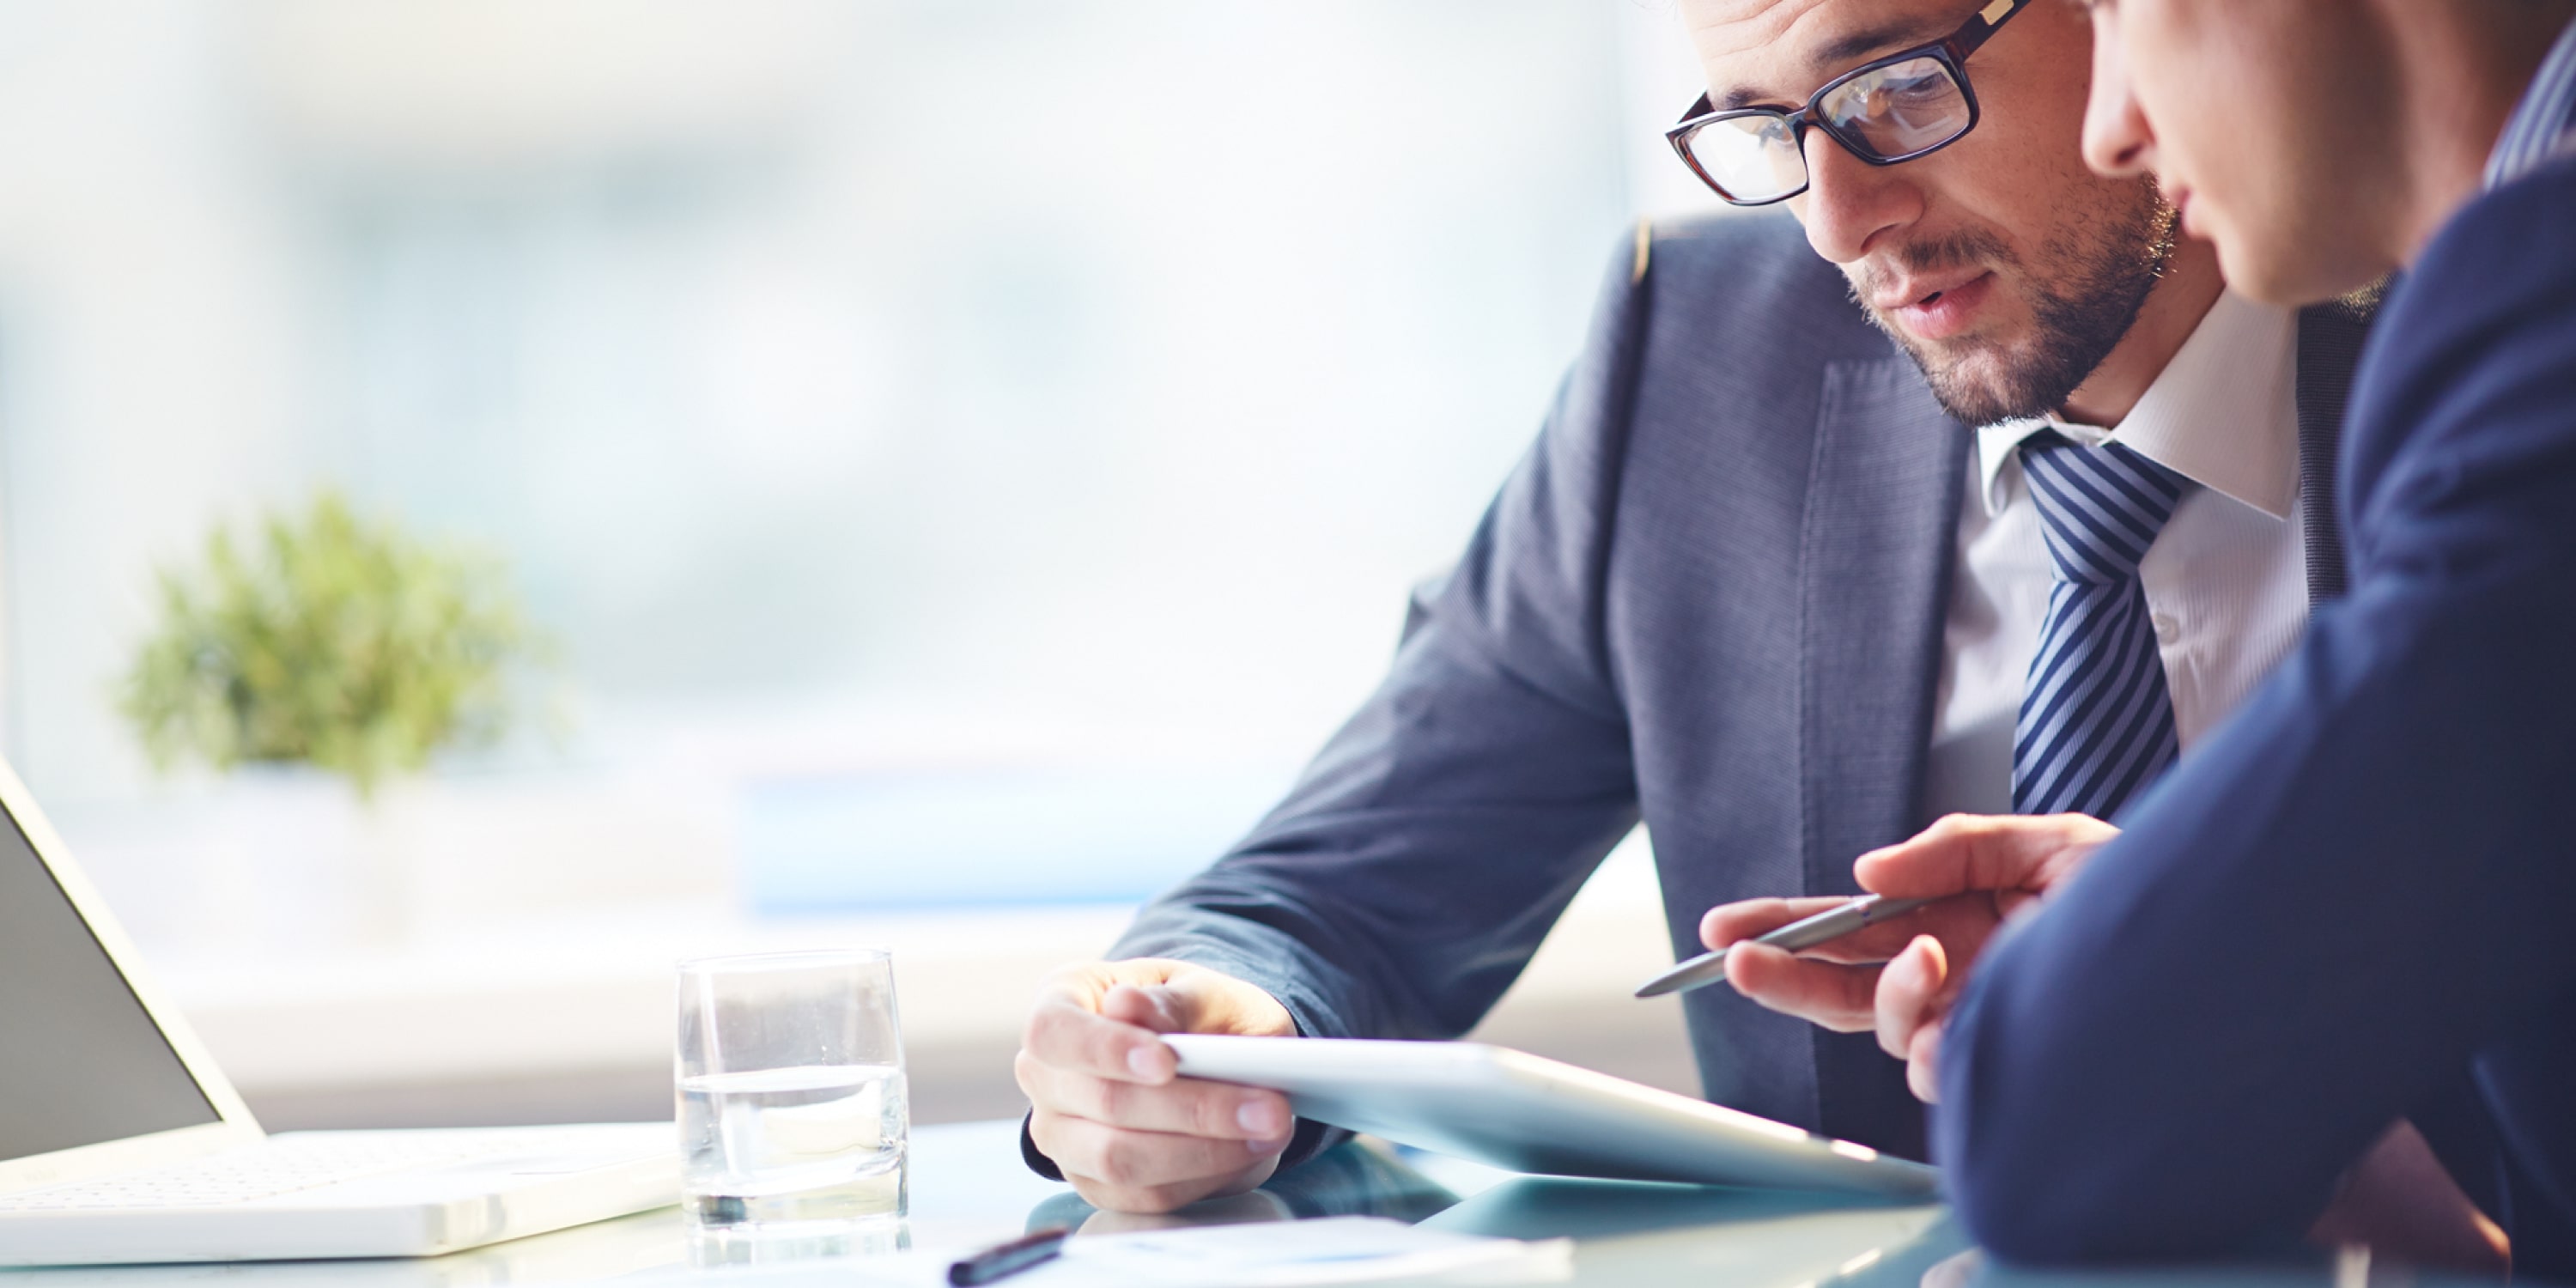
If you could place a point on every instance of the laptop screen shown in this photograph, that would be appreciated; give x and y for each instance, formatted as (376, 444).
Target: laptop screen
(80, 1059)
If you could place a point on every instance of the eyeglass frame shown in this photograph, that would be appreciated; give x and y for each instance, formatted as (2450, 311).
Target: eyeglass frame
(1951, 51)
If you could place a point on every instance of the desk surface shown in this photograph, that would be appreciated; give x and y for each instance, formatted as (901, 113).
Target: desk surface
(968, 1186)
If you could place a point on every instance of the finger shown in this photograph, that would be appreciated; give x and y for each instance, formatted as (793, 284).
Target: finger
(1867, 946)
(1728, 922)
(1835, 996)
(1068, 1035)
(1907, 989)
(1126, 1159)
(1923, 1063)
(1965, 852)
(1183, 1106)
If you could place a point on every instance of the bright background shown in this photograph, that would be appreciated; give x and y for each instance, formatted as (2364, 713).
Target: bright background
(971, 452)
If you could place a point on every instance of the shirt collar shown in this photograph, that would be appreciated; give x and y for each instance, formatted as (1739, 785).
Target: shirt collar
(2223, 413)
(2542, 118)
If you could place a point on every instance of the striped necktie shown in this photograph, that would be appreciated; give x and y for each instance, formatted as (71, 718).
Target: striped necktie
(2096, 723)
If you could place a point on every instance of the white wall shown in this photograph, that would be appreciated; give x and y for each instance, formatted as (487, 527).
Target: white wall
(1091, 367)
(856, 387)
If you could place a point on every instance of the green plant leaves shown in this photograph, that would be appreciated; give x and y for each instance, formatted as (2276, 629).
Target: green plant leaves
(332, 641)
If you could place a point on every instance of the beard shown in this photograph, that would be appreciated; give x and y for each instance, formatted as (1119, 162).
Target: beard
(2093, 277)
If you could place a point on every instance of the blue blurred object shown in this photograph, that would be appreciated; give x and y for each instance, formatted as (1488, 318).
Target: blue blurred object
(990, 837)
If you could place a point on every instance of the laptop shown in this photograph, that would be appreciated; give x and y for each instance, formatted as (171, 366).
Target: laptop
(120, 1141)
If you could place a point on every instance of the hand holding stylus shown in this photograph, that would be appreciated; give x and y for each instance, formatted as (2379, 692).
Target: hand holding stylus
(1899, 975)
(1840, 917)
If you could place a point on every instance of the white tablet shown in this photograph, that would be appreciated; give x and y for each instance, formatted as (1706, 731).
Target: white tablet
(1518, 1111)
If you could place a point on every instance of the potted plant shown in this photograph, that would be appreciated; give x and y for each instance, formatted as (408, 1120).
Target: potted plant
(331, 641)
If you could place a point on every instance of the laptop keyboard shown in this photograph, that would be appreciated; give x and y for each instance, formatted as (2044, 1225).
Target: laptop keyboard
(280, 1165)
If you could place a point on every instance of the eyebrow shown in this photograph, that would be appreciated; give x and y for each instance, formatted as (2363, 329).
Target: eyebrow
(1852, 48)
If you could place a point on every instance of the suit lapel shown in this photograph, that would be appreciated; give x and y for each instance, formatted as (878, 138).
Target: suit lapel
(2330, 341)
(1883, 493)
(1875, 547)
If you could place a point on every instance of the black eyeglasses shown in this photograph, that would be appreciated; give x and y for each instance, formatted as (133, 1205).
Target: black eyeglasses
(1900, 107)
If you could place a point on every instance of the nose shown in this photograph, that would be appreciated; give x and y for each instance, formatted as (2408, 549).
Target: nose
(2117, 139)
(1849, 203)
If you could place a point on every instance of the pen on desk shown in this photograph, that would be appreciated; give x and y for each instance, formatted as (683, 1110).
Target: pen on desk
(1010, 1258)
(1833, 923)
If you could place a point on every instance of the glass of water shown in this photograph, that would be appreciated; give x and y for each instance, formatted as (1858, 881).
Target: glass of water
(792, 1111)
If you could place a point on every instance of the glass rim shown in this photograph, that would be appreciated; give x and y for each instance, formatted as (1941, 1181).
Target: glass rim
(787, 959)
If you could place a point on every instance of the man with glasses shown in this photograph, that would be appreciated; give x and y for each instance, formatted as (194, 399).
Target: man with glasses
(1781, 589)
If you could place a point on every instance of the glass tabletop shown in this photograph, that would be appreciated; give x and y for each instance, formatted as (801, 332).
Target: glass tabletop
(970, 1189)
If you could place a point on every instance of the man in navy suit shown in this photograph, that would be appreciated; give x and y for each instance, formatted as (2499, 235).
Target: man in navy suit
(1773, 580)
(2350, 906)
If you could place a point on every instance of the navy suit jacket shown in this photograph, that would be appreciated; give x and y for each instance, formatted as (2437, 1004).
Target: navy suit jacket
(1711, 596)
(2355, 896)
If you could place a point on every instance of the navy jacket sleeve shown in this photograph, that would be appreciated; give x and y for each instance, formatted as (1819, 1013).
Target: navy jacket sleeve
(2358, 888)
(1413, 870)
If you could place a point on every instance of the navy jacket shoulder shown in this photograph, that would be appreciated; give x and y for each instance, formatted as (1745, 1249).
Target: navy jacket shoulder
(2350, 897)
(2473, 358)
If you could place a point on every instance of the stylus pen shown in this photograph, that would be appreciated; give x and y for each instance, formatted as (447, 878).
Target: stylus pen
(1832, 923)
(1005, 1260)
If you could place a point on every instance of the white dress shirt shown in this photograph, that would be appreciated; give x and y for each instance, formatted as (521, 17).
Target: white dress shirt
(2226, 581)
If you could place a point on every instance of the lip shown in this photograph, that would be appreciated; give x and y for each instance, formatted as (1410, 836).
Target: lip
(1908, 290)
(1933, 310)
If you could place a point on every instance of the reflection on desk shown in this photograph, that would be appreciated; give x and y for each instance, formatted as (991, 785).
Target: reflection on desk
(1355, 1178)
(970, 1189)
(1642, 1232)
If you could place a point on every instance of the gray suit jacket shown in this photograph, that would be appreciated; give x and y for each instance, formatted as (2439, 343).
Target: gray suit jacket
(1712, 596)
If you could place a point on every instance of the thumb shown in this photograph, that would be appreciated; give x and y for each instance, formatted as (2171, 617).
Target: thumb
(1186, 1001)
(1159, 1008)
(1192, 999)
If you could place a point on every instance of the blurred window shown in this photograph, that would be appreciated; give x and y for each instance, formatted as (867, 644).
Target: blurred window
(976, 447)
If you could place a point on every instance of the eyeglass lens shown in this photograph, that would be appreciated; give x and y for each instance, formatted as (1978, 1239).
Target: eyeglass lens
(1880, 114)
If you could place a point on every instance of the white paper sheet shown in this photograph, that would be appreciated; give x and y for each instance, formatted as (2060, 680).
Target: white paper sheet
(1266, 1254)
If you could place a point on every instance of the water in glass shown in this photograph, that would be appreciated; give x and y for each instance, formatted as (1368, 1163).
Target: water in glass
(782, 1147)
(791, 1097)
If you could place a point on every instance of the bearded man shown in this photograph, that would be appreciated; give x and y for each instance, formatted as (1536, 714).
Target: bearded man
(1986, 498)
